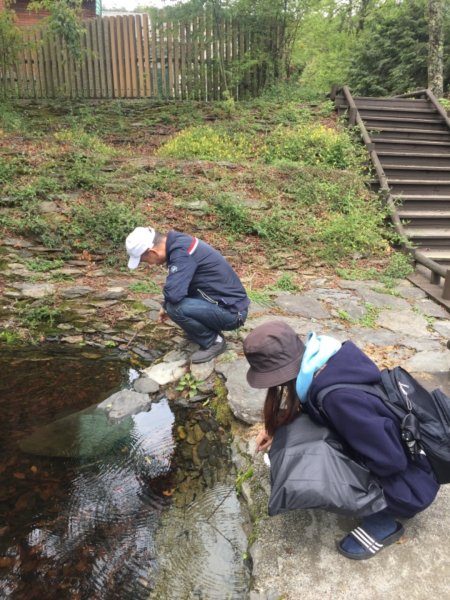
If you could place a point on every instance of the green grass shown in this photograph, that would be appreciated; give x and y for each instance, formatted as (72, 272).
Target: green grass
(148, 287)
(42, 265)
(274, 151)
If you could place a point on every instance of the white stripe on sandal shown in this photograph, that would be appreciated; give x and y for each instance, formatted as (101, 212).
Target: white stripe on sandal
(368, 542)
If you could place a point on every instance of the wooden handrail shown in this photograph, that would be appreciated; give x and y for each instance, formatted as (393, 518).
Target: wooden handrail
(436, 269)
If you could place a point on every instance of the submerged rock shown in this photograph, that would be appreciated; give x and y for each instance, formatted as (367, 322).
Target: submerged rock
(87, 433)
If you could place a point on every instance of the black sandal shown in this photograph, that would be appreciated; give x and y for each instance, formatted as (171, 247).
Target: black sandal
(370, 544)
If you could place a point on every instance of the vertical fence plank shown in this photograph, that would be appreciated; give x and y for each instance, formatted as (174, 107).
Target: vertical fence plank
(133, 61)
(184, 60)
(108, 57)
(146, 55)
(202, 48)
(35, 65)
(177, 88)
(64, 55)
(84, 68)
(140, 56)
(49, 75)
(55, 49)
(163, 58)
(154, 58)
(114, 63)
(90, 62)
(95, 59)
(215, 56)
(208, 58)
(169, 34)
(101, 56)
(187, 55)
(28, 68)
(195, 58)
(40, 66)
(121, 58)
(18, 75)
(126, 54)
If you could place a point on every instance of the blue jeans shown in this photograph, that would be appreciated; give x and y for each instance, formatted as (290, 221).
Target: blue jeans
(202, 321)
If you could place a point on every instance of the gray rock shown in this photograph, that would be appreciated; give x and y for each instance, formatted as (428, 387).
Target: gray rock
(151, 303)
(246, 403)
(443, 328)
(432, 362)
(47, 206)
(410, 292)
(72, 339)
(36, 290)
(353, 309)
(145, 385)
(303, 305)
(405, 322)
(167, 372)
(431, 309)
(76, 291)
(346, 284)
(202, 371)
(383, 300)
(116, 293)
(123, 404)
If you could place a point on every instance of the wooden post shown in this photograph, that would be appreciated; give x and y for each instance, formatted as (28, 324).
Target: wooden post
(446, 292)
(435, 278)
(352, 116)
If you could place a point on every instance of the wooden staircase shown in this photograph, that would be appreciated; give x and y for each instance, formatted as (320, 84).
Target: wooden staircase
(409, 142)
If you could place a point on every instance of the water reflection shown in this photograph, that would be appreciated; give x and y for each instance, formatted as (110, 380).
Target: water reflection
(111, 523)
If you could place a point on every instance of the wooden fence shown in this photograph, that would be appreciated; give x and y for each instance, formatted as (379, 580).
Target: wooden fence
(136, 57)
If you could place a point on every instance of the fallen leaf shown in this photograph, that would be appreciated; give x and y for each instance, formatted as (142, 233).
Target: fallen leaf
(168, 493)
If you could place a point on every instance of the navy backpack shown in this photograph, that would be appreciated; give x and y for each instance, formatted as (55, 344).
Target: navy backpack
(424, 416)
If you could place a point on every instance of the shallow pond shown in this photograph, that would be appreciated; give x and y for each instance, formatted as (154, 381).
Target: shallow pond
(150, 512)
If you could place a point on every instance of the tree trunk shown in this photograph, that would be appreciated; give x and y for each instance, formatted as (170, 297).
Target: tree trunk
(436, 47)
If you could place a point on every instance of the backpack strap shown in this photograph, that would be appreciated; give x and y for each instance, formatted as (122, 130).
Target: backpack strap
(374, 389)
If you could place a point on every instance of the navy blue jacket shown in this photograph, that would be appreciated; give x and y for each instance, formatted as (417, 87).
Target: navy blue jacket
(372, 431)
(196, 270)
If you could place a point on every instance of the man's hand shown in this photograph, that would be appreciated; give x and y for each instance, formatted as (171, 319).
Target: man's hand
(263, 441)
(163, 316)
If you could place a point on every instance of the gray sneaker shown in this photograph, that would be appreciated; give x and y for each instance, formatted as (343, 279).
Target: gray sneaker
(202, 356)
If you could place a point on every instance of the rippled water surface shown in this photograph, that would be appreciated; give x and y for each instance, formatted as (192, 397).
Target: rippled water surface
(148, 512)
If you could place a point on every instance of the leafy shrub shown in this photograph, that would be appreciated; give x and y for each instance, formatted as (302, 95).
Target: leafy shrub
(312, 145)
(233, 215)
(357, 231)
(207, 143)
(107, 225)
(34, 316)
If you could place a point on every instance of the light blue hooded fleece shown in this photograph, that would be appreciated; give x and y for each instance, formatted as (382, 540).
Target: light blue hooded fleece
(318, 350)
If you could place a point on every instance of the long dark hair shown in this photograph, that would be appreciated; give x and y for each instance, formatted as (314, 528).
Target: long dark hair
(281, 406)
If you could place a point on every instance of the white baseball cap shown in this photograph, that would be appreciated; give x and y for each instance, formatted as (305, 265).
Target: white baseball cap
(139, 240)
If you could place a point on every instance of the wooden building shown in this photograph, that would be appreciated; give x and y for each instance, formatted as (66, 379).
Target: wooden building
(25, 17)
